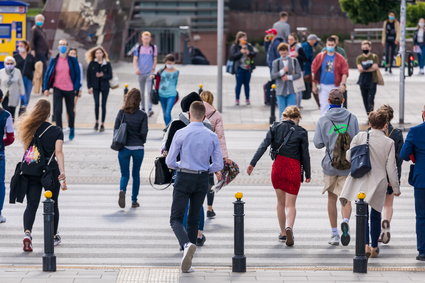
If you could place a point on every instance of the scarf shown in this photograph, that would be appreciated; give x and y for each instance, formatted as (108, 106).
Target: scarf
(10, 74)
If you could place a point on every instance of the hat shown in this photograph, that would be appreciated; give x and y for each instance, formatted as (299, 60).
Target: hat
(271, 31)
(313, 37)
(336, 96)
(188, 100)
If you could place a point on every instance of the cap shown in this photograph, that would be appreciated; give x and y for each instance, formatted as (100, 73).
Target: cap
(271, 31)
(313, 37)
(336, 96)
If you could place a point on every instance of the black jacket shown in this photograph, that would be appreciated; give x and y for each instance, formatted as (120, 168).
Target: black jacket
(236, 55)
(26, 66)
(296, 148)
(101, 83)
(415, 38)
(137, 127)
(397, 136)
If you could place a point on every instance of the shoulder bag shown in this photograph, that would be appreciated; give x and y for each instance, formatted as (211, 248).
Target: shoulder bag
(163, 175)
(120, 135)
(298, 84)
(274, 153)
(360, 159)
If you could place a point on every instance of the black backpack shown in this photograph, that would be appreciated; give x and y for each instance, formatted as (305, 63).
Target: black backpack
(34, 161)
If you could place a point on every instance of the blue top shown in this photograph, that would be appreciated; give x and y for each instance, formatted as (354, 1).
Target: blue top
(327, 76)
(145, 58)
(168, 84)
(13, 3)
(415, 144)
(272, 53)
(196, 145)
(6, 126)
(309, 54)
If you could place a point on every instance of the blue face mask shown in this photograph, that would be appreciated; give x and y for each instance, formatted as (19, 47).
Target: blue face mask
(62, 49)
(39, 23)
(330, 49)
(392, 18)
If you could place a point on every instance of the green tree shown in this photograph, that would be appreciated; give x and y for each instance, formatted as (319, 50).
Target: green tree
(368, 11)
(414, 13)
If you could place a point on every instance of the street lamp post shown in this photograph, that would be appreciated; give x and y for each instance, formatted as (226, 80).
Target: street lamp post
(403, 59)
(220, 31)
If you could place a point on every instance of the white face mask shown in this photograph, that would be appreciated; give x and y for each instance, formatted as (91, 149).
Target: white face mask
(421, 24)
(169, 66)
(21, 49)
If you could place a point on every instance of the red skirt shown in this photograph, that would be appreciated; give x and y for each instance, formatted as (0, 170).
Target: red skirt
(286, 174)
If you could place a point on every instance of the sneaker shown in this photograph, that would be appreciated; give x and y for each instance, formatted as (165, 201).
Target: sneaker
(421, 257)
(135, 204)
(150, 113)
(345, 237)
(289, 237)
(282, 238)
(237, 102)
(71, 134)
(386, 235)
(188, 253)
(96, 127)
(421, 72)
(210, 214)
(57, 240)
(391, 72)
(2, 219)
(248, 102)
(334, 241)
(27, 242)
(102, 128)
(121, 199)
(200, 241)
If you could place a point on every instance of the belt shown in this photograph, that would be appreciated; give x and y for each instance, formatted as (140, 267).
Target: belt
(195, 172)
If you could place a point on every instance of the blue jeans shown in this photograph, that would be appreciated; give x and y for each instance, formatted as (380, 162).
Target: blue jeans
(2, 185)
(124, 156)
(421, 57)
(285, 101)
(375, 227)
(28, 89)
(420, 219)
(201, 219)
(167, 104)
(243, 77)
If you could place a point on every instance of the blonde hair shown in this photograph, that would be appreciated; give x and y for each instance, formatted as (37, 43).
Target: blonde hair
(90, 55)
(146, 33)
(32, 120)
(292, 112)
(207, 96)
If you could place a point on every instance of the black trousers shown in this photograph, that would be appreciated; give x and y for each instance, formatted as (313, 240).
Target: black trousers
(390, 49)
(368, 95)
(193, 188)
(96, 96)
(33, 200)
(345, 100)
(58, 96)
(11, 109)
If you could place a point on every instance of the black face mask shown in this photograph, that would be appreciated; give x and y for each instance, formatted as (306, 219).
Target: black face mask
(365, 51)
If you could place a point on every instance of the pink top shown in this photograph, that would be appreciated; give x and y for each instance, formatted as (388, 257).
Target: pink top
(62, 75)
(217, 125)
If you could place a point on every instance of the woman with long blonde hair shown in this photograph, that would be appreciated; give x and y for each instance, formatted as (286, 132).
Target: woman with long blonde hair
(50, 141)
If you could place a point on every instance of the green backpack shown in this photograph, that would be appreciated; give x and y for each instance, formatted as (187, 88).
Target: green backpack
(342, 144)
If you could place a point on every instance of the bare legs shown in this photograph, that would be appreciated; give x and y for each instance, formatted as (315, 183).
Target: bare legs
(387, 214)
(286, 210)
(333, 211)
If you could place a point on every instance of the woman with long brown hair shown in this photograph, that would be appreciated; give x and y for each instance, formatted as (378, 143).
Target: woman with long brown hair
(137, 131)
(50, 142)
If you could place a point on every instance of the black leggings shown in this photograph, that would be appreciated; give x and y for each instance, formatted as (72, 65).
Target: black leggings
(390, 49)
(96, 96)
(33, 200)
(58, 96)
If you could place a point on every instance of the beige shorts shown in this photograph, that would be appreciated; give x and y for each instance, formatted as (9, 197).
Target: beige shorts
(334, 184)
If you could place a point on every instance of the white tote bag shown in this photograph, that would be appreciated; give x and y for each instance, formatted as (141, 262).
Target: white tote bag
(298, 84)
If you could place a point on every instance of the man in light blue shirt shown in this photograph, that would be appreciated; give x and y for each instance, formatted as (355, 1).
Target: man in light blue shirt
(200, 154)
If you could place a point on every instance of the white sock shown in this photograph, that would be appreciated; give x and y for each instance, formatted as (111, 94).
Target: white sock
(346, 220)
(334, 231)
(186, 245)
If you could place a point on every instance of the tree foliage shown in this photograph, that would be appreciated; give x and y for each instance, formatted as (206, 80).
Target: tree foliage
(414, 13)
(368, 11)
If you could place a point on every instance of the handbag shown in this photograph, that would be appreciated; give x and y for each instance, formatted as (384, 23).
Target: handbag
(114, 82)
(380, 77)
(412, 170)
(47, 178)
(417, 49)
(274, 153)
(229, 67)
(298, 84)
(154, 96)
(163, 175)
(120, 135)
(360, 159)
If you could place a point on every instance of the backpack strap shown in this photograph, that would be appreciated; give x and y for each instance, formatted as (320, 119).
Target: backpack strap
(212, 114)
(45, 131)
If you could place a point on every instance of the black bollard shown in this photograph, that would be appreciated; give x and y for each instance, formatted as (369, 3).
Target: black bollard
(273, 104)
(239, 259)
(49, 258)
(360, 260)
(200, 90)
(125, 89)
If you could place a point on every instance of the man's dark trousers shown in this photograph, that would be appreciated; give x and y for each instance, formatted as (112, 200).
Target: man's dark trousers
(420, 219)
(193, 188)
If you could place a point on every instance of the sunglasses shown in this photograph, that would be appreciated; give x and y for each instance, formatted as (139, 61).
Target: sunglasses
(9, 64)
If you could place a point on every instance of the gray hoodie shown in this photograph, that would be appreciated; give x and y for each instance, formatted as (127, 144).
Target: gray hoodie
(325, 135)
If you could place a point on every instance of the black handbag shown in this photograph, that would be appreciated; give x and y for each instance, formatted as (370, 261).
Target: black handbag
(154, 96)
(120, 135)
(412, 170)
(360, 159)
(163, 175)
(48, 180)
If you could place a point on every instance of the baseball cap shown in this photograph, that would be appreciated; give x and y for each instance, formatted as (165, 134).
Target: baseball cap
(271, 31)
(336, 96)
(313, 37)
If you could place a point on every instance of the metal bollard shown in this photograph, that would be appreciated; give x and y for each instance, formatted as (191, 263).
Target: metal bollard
(200, 90)
(273, 104)
(125, 89)
(360, 260)
(49, 258)
(239, 259)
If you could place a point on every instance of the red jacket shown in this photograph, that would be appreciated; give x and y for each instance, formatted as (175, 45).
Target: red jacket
(340, 67)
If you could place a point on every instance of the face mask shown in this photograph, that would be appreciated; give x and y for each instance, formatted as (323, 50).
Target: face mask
(21, 49)
(169, 66)
(330, 49)
(365, 51)
(391, 18)
(39, 23)
(421, 24)
(62, 49)
(9, 67)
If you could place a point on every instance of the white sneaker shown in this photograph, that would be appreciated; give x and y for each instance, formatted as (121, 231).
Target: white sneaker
(2, 219)
(186, 264)
(334, 241)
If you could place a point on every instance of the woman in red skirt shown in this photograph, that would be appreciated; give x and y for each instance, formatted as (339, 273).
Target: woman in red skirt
(289, 149)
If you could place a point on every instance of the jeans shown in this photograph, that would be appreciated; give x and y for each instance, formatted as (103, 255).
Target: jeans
(390, 49)
(375, 227)
(420, 219)
(28, 89)
(145, 83)
(96, 96)
(243, 77)
(285, 101)
(2, 175)
(124, 157)
(167, 104)
(368, 95)
(421, 57)
(58, 96)
(193, 188)
(201, 218)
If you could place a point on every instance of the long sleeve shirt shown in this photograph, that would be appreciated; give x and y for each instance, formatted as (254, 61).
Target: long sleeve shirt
(196, 146)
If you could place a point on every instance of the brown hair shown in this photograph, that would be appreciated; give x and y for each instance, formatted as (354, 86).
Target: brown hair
(132, 101)
(27, 46)
(378, 119)
(238, 36)
(207, 96)
(283, 47)
(389, 110)
(32, 120)
(283, 14)
(197, 110)
(170, 58)
(91, 54)
(292, 112)
(294, 35)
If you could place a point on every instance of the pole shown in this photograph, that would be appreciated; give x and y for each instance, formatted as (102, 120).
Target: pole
(272, 118)
(220, 33)
(403, 59)
(360, 260)
(49, 258)
(125, 89)
(201, 88)
(239, 259)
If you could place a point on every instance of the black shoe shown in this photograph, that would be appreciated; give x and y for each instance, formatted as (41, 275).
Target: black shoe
(421, 257)
(102, 128)
(289, 237)
(345, 236)
(210, 214)
(391, 71)
(150, 113)
(282, 238)
(135, 204)
(121, 199)
(96, 127)
(200, 241)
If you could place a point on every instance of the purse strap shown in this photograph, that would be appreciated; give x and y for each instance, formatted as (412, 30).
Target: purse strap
(286, 138)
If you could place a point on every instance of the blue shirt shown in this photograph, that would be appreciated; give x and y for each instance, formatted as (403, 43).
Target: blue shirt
(309, 53)
(196, 145)
(327, 76)
(145, 58)
(168, 84)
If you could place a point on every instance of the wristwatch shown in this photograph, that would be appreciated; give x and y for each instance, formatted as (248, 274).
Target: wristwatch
(344, 84)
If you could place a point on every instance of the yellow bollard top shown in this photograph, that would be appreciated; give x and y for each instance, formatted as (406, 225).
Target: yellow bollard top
(361, 195)
(48, 194)
(273, 86)
(126, 85)
(239, 195)
(201, 85)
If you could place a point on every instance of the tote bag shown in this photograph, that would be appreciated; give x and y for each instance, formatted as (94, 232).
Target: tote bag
(120, 135)
(298, 84)
(360, 160)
